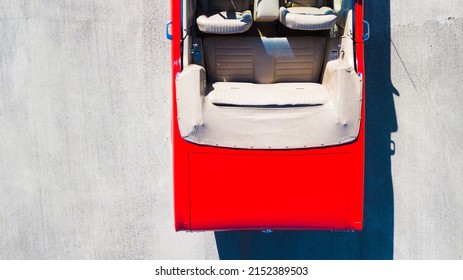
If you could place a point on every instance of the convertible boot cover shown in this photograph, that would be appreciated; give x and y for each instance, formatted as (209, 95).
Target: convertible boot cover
(265, 93)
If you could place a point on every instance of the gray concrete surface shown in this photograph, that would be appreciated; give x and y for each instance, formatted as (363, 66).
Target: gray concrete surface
(85, 166)
(427, 168)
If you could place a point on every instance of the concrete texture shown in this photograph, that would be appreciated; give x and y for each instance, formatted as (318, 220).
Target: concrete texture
(85, 166)
(427, 168)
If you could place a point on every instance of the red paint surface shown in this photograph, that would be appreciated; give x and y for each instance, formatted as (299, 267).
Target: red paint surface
(231, 189)
(281, 194)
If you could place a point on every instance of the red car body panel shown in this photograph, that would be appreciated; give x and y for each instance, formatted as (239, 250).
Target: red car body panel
(234, 189)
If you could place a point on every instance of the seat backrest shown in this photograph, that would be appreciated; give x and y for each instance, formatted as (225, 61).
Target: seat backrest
(305, 3)
(223, 5)
(264, 60)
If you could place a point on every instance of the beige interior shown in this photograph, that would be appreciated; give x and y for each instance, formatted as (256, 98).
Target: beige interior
(224, 16)
(304, 3)
(264, 60)
(266, 10)
(307, 15)
(279, 92)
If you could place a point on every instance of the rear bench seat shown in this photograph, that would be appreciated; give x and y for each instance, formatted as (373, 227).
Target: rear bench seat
(268, 93)
(265, 71)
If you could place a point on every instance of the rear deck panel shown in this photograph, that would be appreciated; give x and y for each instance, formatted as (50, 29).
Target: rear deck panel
(277, 192)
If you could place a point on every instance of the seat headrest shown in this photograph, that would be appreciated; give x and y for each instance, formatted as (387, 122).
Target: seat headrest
(224, 5)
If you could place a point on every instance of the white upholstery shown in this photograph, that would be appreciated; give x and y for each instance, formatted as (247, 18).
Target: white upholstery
(265, 115)
(307, 17)
(191, 86)
(335, 122)
(224, 17)
(304, 3)
(225, 22)
(281, 94)
(266, 10)
(264, 60)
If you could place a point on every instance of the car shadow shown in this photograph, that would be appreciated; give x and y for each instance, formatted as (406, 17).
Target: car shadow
(377, 238)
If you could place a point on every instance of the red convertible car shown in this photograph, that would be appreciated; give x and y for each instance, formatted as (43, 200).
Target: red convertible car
(268, 114)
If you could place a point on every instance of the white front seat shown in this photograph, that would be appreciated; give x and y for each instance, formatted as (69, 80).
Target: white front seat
(307, 15)
(224, 16)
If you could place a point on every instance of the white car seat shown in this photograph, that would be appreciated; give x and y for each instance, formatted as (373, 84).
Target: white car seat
(224, 16)
(307, 15)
